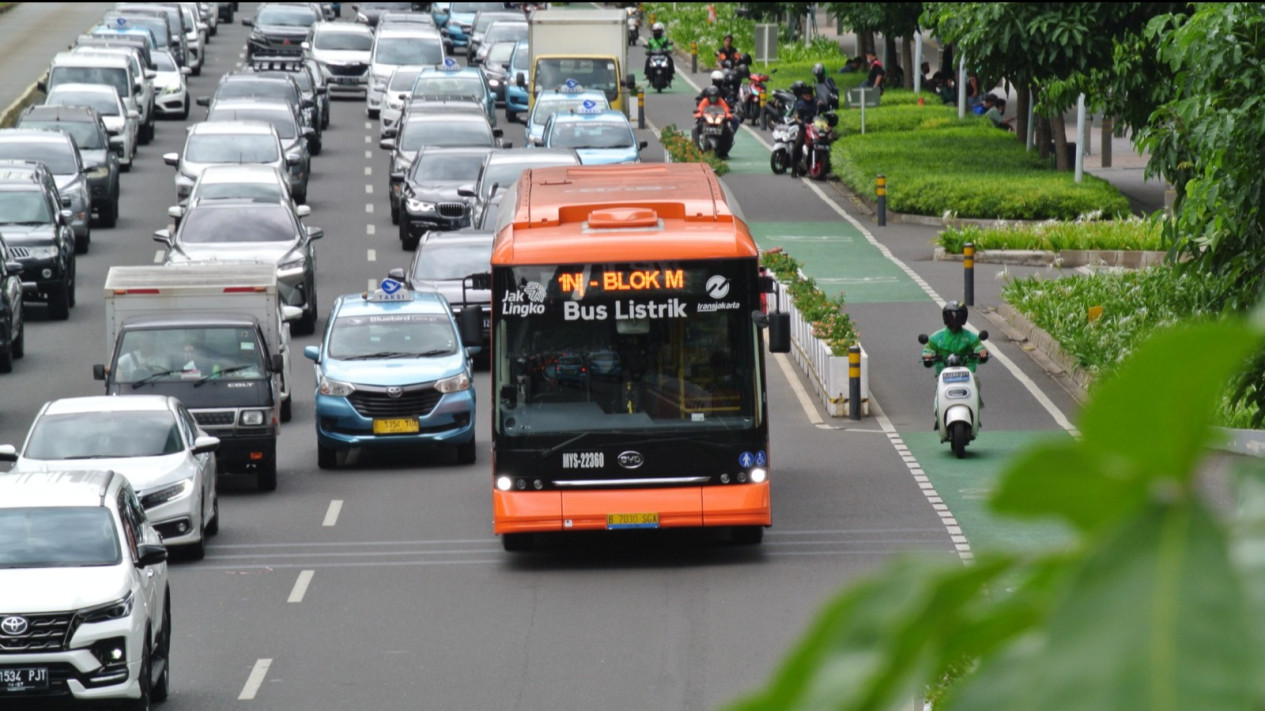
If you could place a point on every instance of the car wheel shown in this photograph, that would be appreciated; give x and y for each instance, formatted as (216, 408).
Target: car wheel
(19, 341)
(468, 452)
(162, 687)
(267, 477)
(197, 71)
(316, 148)
(373, 113)
(71, 283)
(408, 242)
(110, 212)
(184, 110)
(125, 167)
(326, 458)
(6, 360)
(197, 551)
(143, 680)
(285, 409)
(213, 528)
(146, 134)
(395, 211)
(59, 303)
(300, 198)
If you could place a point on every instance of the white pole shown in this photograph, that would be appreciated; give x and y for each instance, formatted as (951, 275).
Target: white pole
(917, 61)
(961, 86)
(864, 96)
(1032, 121)
(1080, 137)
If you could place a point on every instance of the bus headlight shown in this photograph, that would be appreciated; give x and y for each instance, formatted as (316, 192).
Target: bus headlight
(504, 483)
(758, 476)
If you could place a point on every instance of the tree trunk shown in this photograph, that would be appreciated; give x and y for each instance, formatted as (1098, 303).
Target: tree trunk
(1042, 136)
(947, 65)
(889, 44)
(1059, 128)
(907, 57)
(1021, 113)
(865, 43)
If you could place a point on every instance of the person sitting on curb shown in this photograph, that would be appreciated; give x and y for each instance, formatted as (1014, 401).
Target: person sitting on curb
(995, 110)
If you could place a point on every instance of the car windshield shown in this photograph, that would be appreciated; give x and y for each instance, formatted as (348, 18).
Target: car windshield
(249, 89)
(456, 168)
(104, 435)
(396, 6)
(473, 7)
(544, 109)
(271, 192)
(485, 19)
(402, 79)
(445, 261)
(115, 77)
(238, 224)
(56, 537)
(283, 121)
(412, 334)
(500, 53)
(445, 133)
(104, 103)
(343, 41)
(286, 16)
(502, 31)
(177, 354)
(56, 155)
(590, 134)
(24, 207)
(155, 25)
(434, 85)
(408, 50)
(164, 62)
(85, 134)
(231, 148)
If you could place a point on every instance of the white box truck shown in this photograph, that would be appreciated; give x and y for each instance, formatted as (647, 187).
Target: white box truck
(589, 46)
(214, 336)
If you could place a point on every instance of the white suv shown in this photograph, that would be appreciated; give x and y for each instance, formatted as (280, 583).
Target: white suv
(84, 604)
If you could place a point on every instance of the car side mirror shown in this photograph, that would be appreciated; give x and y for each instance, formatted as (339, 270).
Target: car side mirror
(520, 80)
(276, 363)
(171, 159)
(163, 236)
(13, 267)
(315, 233)
(396, 274)
(138, 87)
(291, 313)
(42, 86)
(8, 453)
(66, 216)
(132, 114)
(248, 21)
(387, 144)
(507, 145)
(305, 45)
(186, 71)
(205, 444)
(779, 332)
(983, 335)
(175, 212)
(150, 74)
(642, 146)
(497, 133)
(203, 101)
(150, 554)
(293, 160)
(307, 103)
(312, 353)
(472, 326)
(98, 371)
(309, 132)
(303, 210)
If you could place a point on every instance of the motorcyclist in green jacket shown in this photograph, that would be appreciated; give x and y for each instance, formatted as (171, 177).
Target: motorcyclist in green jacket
(659, 42)
(953, 339)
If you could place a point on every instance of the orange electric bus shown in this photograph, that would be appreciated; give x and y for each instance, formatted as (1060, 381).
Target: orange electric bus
(627, 355)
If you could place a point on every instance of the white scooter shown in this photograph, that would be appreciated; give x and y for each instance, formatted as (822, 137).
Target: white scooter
(957, 398)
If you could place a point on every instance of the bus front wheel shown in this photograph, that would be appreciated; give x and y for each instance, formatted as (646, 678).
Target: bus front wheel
(517, 542)
(748, 535)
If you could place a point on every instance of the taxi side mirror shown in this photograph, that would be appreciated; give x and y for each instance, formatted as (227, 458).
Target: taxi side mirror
(396, 274)
(312, 353)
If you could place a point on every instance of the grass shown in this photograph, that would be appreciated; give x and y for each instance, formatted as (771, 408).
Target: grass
(687, 23)
(967, 168)
(1134, 233)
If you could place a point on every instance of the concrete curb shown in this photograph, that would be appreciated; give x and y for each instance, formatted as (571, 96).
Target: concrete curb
(7, 7)
(1127, 259)
(31, 95)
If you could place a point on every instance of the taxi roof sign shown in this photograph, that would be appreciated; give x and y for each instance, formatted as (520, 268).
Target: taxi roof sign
(120, 21)
(589, 107)
(390, 290)
(450, 64)
(570, 86)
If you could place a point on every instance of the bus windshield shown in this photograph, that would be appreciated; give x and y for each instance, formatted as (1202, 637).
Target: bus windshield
(654, 347)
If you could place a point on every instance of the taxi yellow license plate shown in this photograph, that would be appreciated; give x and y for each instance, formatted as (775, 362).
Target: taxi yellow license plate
(396, 426)
(631, 520)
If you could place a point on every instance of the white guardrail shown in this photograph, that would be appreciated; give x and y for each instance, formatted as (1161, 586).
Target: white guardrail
(827, 373)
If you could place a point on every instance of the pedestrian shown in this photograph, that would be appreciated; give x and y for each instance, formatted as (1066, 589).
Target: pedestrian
(728, 53)
(877, 73)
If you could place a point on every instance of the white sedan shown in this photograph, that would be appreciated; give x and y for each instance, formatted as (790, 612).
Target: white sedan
(150, 439)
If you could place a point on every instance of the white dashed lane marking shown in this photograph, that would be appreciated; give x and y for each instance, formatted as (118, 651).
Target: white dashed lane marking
(335, 507)
(255, 680)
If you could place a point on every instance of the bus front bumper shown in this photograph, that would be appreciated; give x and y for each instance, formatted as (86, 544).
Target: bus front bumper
(588, 510)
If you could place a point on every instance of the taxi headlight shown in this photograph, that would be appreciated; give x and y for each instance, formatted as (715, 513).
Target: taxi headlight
(253, 418)
(455, 384)
(335, 388)
(167, 494)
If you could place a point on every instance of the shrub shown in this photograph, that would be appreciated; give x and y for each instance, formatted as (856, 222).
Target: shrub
(1133, 233)
(682, 149)
(830, 323)
(970, 169)
(687, 22)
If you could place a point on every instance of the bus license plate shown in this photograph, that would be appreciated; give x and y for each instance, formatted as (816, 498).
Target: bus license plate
(397, 426)
(631, 520)
(24, 679)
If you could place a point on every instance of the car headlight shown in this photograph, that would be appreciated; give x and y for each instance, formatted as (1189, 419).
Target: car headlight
(167, 494)
(360, 17)
(455, 384)
(110, 611)
(494, 82)
(98, 172)
(419, 205)
(43, 252)
(253, 418)
(170, 89)
(378, 82)
(292, 267)
(334, 388)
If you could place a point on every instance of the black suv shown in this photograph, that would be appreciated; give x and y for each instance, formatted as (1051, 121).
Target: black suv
(431, 197)
(37, 233)
(12, 316)
(279, 29)
(97, 148)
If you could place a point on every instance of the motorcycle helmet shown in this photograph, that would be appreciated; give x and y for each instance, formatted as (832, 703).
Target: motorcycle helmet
(742, 71)
(954, 315)
(819, 71)
(798, 88)
(657, 28)
(718, 78)
(712, 92)
(746, 59)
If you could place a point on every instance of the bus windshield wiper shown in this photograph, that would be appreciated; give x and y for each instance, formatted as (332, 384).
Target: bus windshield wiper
(546, 453)
(237, 368)
(152, 377)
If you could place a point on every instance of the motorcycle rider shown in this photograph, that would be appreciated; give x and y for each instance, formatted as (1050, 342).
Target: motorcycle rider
(827, 90)
(803, 113)
(953, 339)
(712, 96)
(659, 42)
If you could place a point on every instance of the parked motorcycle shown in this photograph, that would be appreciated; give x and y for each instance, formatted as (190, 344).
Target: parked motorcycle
(634, 25)
(752, 95)
(820, 135)
(660, 72)
(714, 132)
(778, 105)
(957, 399)
(784, 135)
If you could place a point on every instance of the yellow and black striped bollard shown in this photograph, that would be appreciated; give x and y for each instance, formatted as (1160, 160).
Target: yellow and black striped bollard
(882, 200)
(968, 272)
(854, 382)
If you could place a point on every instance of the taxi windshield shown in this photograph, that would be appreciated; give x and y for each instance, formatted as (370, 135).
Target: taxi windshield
(545, 109)
(590, 134)
(394, 335)
(441, 86)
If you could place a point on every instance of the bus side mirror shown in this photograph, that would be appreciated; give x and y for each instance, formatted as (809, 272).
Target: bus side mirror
(779, 332)
(472, 326)
(480, 282)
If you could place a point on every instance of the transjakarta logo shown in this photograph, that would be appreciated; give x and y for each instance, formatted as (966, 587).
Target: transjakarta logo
(527, 301)
(718, 288)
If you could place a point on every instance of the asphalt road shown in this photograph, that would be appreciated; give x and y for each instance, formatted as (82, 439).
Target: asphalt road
(381, 586)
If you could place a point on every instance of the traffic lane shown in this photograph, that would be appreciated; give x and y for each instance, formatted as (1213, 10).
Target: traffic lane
(32, 32)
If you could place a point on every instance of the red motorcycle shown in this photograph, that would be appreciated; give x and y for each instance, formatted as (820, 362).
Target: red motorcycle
(752, 94)
(820, 134)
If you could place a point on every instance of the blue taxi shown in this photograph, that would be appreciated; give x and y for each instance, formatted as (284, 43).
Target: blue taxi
(394, 371)
(451, 81)
(599, 136)
(515, 95)
(569, 95)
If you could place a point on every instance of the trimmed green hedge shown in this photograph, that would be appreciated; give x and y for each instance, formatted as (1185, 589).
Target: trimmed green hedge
(1134, 233)
(681, 149)
(968, 169)
(830, 323)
